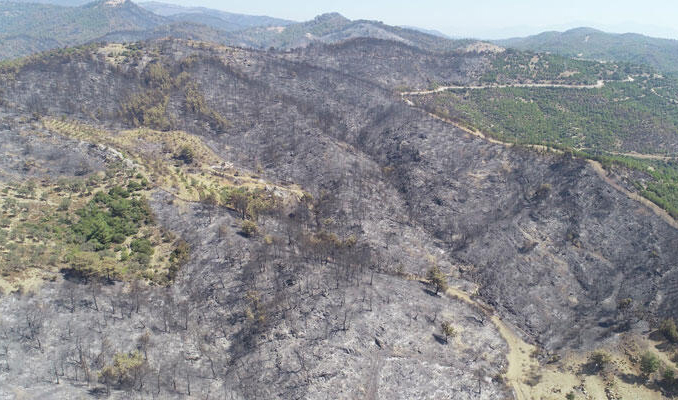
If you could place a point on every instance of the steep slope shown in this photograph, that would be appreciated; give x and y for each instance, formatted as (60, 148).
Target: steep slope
(661, 54)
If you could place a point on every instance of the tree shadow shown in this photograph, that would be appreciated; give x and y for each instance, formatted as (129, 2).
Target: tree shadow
(98, 392)
(665, 347)
(632, 379)
(590, 368)
(77, 277)
(440, 338)
(430, 292)
(657, 336)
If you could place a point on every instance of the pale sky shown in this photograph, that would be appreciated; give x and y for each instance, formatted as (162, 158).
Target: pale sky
(489, 19)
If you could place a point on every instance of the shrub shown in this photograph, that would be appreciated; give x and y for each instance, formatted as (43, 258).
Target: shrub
(649, 364)
(448, 330)
(249, 228)
(543, 191)
(668, 329)
(134, 186)
(436, 278)
(599, 360)
(186, 155)
(625, 304)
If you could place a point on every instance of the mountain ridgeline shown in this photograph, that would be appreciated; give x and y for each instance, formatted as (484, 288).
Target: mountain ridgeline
(28, 28)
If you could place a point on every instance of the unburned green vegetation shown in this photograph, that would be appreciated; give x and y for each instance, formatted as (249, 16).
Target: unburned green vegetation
(523, 67)
(92, 228)
(620, 116)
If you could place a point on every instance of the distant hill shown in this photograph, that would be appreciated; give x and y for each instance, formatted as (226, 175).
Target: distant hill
(27, 27)
(333, 28)
(221, 20)
(427, 31)
(661, 54)
(64, 3)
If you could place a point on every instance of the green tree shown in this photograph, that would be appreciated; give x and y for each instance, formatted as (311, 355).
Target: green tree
(249, 228)
(599, 360)
(668, 329)
(240, 200)
(211, 202)
(125, 370)
(186, 155)
(143, 246)
(649, 364)
(448, 330)
(436, 278)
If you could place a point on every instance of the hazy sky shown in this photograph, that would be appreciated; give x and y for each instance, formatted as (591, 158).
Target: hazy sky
(479, 18)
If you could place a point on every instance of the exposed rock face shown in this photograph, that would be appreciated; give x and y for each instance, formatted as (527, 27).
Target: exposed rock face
(551, 245)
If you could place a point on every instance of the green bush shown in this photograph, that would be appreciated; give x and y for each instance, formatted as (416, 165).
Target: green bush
(436, 278)
(448, 330)
(249, 228)
(142, 246)
(186, 155)
(668, 329)
(599, 360)
(110, 218)
(65, 204)
(649, 364)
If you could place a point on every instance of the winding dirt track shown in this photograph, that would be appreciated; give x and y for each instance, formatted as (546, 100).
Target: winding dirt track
(597, 85)
(519, 360)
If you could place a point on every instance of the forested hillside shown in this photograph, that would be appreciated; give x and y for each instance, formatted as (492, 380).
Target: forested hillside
(592, 44)
(27, 28)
